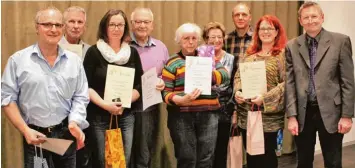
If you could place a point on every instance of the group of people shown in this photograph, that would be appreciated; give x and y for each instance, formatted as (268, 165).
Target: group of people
(48, 91)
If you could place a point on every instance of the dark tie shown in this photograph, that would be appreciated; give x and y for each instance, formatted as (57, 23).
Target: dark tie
(312, 56)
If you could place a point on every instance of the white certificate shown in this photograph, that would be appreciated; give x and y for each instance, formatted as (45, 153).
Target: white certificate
(253, 78)
(151, 95)
(198, 74)
(119, 84)
(75, 48)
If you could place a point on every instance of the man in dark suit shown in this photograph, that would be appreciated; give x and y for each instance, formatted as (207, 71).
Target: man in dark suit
(320, 90)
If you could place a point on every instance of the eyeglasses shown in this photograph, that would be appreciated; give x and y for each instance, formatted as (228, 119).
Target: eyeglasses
(50, 25)
(215, 37)
(139, 22)
(112, 26)
(268, 29)
(310, 19)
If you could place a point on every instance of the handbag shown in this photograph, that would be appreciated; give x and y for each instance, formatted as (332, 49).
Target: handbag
(39, 162)
(255, 132)
(114, 151)
(235, 146)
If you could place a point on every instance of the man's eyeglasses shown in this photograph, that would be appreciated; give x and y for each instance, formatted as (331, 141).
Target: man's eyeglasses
(268, 29)
(139, 22)
(50, 25)
(112, 26)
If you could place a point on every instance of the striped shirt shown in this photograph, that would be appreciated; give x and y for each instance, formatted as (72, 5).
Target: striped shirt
(237, 46)
(174, 77)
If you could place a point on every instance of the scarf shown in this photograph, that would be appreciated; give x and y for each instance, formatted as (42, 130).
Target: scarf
(109, 54)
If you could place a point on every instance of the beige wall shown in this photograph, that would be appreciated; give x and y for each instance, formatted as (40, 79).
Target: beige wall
(17, 31)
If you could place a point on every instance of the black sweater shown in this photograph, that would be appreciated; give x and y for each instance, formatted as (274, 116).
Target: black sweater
(95, 67)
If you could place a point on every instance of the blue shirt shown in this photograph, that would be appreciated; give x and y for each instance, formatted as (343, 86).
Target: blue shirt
(46, 95)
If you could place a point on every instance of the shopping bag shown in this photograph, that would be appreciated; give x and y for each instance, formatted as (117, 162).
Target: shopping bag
(39, 162)
(255, 132)
(114, 151)
(235, 146)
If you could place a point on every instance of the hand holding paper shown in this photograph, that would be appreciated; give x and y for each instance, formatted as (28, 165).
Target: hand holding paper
(151, 87)
(161, 85)
(33, 137)
(187, 98)
(58, 146)
(258, 100)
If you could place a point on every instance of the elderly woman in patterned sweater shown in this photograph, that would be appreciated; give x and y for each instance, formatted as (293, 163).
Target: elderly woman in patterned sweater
(192, 118)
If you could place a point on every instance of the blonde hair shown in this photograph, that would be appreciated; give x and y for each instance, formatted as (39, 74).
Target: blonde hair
(212, 25)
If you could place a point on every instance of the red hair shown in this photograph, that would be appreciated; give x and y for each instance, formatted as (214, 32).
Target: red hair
(280, 39)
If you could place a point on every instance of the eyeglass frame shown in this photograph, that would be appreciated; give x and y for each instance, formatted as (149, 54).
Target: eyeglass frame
(119, 26)
(139, 22)
(49, 25)
(269, 29)
(215, 37)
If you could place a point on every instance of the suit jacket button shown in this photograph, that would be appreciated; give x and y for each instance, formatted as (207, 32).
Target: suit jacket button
(304, 107)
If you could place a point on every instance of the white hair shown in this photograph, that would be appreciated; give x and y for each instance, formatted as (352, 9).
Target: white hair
(187, 28)
(40, 13)
(74, 9)
(142, 9)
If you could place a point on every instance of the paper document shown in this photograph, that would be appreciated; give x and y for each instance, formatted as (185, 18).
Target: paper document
(58, 146)
(151, 95)
(75, 48)
(253, 78)
(119, 84)
(198, 74)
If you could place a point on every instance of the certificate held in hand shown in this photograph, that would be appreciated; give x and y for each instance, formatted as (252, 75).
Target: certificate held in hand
(253, 78)
(198, 74)
(119, 84)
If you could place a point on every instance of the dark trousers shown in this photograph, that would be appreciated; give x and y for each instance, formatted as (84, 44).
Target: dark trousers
(83, 156)
(98, 127)
(146, 132)
(267, 160)
(194, 135)
(224, 125)
(68, 160)
(331, 143)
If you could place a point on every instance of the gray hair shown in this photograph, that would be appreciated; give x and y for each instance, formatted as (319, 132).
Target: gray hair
(74, 9)
(40, 13)
(142, 9)
(307, 5)
(187, 28)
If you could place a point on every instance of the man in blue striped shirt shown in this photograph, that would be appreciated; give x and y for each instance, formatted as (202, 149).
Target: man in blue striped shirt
(45, 92)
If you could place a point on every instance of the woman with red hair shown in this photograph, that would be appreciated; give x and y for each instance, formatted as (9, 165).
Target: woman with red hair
(268, 45)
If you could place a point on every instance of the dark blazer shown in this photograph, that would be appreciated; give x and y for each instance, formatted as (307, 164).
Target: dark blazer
(334, 79)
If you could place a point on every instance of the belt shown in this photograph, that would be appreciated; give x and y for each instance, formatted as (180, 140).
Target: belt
(49, 129)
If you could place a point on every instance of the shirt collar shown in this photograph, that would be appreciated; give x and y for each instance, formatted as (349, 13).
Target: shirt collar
(249, 32)
(37, 51)
(318, 36)
(65, 41)
(149, 43)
